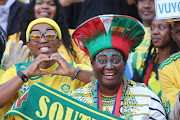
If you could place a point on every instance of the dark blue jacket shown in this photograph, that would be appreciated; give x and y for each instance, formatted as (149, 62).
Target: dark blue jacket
(13, 17)
(77, 13)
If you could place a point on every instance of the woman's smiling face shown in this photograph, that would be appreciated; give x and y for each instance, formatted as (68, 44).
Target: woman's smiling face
(45, 9)
(43, 46)
(108, 67)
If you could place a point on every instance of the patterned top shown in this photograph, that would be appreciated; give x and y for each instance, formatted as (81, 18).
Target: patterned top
(153, 80)
(138, 55)
(138, 103)
(108, 103)
(138, 58)
(169, 75)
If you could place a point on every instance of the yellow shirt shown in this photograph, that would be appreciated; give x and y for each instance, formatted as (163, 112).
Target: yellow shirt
(169, 78)
(60, 83)
(138, 54)
(4, 109)
(2, 70)
(138, 58)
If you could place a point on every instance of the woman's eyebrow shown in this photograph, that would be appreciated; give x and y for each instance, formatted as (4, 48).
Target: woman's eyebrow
(50, 29)
(35, 30)
(177, 30)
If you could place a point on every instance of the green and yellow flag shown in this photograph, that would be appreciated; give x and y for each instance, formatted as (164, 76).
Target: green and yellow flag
(40, 102)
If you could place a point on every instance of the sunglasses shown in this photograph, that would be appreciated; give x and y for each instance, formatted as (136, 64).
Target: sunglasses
(36, 35)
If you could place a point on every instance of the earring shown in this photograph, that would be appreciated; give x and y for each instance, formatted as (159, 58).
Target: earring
(93, 81)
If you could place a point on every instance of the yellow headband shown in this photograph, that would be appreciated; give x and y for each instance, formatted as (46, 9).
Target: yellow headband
(43, 20)
(171, 20)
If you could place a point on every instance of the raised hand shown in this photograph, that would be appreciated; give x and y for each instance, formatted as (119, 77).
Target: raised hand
(64, 68)
(35, 68)
(17, 55)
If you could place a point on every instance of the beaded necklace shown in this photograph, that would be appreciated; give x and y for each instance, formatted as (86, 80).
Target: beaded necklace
(117, 103)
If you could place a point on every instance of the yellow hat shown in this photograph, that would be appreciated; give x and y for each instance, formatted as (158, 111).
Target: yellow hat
(171, 20)
(43, 20)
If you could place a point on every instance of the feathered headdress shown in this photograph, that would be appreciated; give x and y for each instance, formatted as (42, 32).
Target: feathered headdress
(109, 31)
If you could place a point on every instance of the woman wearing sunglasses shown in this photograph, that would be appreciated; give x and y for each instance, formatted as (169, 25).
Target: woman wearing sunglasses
(48, 9)
(43, 38)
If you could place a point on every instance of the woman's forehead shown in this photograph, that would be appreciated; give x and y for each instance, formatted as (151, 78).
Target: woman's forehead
(42, 27)
(110, 50)
(157, 21)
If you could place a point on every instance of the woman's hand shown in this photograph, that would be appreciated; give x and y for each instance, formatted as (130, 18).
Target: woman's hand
(34, 69)
(64, 68)
(17, 55)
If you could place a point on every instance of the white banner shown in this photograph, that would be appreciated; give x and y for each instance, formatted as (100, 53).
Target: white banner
(167, 9)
